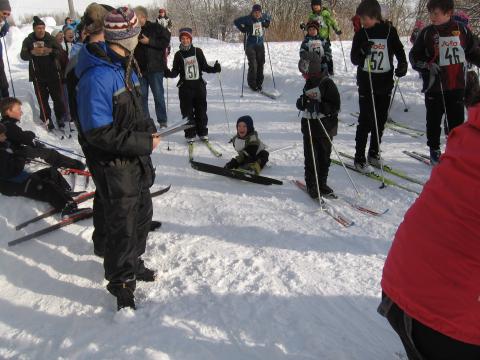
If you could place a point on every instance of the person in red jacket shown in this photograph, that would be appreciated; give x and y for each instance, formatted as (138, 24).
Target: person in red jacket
(431, 278)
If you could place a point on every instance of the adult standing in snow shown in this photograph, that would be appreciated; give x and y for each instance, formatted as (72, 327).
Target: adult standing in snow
(431, 293)
(253, 26)
(153, 41)
(41, 50)
(163, 20)
(118, 141)
(5, 11)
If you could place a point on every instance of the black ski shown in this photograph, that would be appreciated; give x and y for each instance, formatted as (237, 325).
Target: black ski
(419, 157)
(234, 174)
(73, 219)
(81, 198)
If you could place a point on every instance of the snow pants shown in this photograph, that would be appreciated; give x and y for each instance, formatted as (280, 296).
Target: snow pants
(256, 61)
(122, 216)
(454, 103)
(420, 341)
(44, 90)
(193, 105)
(3, 81)
(366, 124)
(46, 185)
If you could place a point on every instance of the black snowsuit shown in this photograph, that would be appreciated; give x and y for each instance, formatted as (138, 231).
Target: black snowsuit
(24, 145)
(192, 93)
(382, 80)
(323, 107)
(117, 144)
(45, 185)
(44, 73)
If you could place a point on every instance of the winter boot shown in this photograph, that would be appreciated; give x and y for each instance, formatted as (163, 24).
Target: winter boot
(375, 160)
(362, 167)
(190, 140)
(144, 273)
(435, 156)
(50, 125)
(71, 209)
(154, 225)
(124, 294)
(204, 138)
(327, 192)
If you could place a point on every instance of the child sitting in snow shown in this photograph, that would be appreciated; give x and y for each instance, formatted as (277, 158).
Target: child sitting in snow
(314, 43)
(320, 103)
(44, 185)
(251, 151)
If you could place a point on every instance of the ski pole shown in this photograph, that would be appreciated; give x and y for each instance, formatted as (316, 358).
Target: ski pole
(168, 140)
(39, 94)
(376, 120)
(283, 148)
(343, 52)
(339, 158)
(320, 198)
(224, 105)
(404, 103)
(393, 97)
(65, 101)
(8, 63)
(60, 148)
(244, 60)
(446, 123)
(270, 60)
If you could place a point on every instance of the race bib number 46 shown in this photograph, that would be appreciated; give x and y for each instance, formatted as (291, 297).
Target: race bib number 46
(192, 71)
(379, 60)
(257, 29)
(451, 51)
(315, 45)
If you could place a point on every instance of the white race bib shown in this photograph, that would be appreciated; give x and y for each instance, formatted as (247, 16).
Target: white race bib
(315, 46)
(314, 93)
(192, 70)
(257, 29)
(451, 51)
(379, 60)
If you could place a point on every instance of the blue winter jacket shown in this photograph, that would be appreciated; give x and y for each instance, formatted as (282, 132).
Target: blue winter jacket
(110, 116)
(245, 25)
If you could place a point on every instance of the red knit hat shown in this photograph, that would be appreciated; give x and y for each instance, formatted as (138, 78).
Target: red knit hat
(185, 32)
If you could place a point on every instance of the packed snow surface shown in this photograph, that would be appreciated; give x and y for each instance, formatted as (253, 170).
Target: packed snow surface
(245, 271)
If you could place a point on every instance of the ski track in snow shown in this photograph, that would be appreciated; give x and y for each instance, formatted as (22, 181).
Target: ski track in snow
(245, 271)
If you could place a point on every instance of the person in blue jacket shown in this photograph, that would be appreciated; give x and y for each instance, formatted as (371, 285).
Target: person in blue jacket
(253, 26)
(5, 11)
(117, 140)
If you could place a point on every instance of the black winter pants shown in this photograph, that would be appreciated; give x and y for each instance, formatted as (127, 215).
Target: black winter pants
(420, 341)
(50, 156)
(48, 185)
(322, 149)
(366, 124)
(454, 103)
(256, 61)
(193, 105)
(44, 90)
(122, 216)
(3, 81)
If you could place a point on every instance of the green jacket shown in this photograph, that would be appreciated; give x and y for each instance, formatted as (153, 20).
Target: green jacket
(247, 148)
(325, 21)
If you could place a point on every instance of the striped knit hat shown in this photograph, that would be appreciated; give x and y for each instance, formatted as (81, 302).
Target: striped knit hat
(121, 27)
(185, 32)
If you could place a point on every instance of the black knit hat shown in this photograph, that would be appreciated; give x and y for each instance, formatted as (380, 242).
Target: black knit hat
(317, 2)
(247, 119)
(256, 7)
(5, 5)
(37, 21)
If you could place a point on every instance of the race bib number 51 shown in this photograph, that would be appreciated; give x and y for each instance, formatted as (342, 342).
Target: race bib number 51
(451, 51)
(192, 71)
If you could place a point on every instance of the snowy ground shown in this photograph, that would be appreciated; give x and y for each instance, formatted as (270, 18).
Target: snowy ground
(245, 271)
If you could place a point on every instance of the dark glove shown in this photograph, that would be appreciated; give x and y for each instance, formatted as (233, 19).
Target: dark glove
(266, 24)
(302, 26)
(300, 103)
(366, 47)
(338, 32)
(216, 67)
(311, 105)
(434, 69)
(232, 164)
(401, 70)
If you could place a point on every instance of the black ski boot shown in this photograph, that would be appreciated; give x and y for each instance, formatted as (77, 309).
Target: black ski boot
(144, 273)
(124, 294)
(327, 192)
(154, 225)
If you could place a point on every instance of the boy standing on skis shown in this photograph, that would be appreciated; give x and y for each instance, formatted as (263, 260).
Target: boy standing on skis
(320, 103)
(313, 43)
(325, 22)
(373, 48)
(251, 151)
(440, 54)
(189, 62)
(253, 26)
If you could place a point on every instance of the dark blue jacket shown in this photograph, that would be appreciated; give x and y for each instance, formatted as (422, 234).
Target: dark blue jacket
(111, 120)
(3, 32)
(245, 25)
